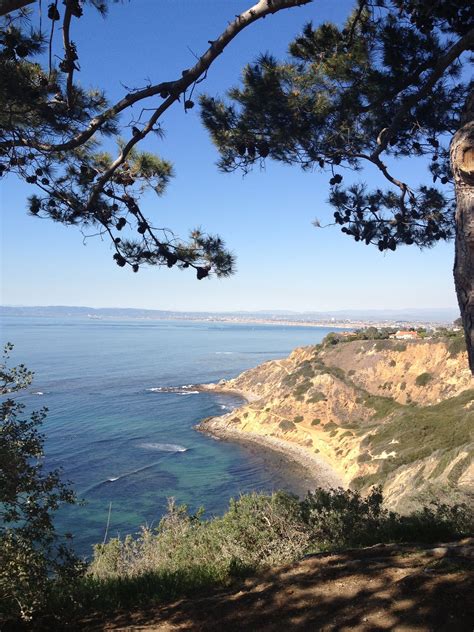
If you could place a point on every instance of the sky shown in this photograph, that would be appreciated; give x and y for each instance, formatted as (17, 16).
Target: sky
(283, 262)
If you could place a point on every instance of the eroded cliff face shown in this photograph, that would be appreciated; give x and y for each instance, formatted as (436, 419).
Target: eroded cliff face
(396, 413)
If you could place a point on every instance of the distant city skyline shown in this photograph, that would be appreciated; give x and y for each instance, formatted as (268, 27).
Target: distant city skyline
(282, 261)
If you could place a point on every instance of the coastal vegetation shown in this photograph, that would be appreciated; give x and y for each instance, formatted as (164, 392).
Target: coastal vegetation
(188, 554)
(31, 551)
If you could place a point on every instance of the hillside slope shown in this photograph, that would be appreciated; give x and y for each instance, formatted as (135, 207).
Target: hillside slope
(396, 413)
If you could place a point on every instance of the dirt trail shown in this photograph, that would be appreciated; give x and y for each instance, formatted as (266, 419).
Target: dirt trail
(392, 587)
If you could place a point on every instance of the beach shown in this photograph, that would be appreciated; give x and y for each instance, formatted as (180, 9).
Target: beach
(307, 469)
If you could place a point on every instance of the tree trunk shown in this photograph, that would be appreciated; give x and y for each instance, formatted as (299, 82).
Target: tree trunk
(462, 166)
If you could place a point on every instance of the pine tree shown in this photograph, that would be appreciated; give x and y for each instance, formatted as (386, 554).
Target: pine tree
(51, 131)
(392, 83)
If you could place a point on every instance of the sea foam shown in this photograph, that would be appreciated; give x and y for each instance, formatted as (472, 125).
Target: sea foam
(177, 390)
(163, 447)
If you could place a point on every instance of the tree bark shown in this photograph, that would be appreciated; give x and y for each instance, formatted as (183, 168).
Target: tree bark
(462, 166)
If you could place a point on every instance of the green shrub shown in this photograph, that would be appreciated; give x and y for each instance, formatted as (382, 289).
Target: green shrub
(392, 363)
(305, 369)
(316, 421)
(423, 379)
(187, 555)
(400, 347)
(301, 390)
(422, 431)
(456, 346)
(290, 379)
(336, 372)
(34, 558)
(316, 397)
(298, 419)
(383, 406)
(343, 518)
(287, 426)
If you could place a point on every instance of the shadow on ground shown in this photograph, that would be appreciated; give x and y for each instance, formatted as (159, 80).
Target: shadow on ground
(380, 588)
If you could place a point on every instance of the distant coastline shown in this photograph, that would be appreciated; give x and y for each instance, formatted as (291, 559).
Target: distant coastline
(342, 319)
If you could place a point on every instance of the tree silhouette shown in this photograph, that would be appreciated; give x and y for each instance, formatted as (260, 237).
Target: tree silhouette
(51, 131)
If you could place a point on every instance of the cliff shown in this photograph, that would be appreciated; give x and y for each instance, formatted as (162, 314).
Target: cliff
(400, 414)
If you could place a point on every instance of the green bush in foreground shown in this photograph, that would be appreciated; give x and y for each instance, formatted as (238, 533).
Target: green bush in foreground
(32, 553)
(187, 554)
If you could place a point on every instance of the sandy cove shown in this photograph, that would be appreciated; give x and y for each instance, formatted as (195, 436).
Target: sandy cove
(316, 471)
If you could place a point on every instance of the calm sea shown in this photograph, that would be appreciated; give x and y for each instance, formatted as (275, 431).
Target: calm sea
(120, 439)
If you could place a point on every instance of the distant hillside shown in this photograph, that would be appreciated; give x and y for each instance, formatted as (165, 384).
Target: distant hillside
(377, 411)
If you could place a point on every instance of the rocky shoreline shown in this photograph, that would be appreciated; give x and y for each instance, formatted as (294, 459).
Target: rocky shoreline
(317, 473)
(362, 413)
(313, 469)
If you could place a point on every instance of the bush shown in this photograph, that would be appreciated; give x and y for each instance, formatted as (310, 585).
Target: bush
(343, 518)
(257, 531)
(316, 397)
(316, 421)
(186, 554)
(423, 379)
(301, 390)
(456, 346)
(287, 426)
(298, 419)
(34, 559)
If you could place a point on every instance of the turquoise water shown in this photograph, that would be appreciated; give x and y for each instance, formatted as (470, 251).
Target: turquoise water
(121, 440)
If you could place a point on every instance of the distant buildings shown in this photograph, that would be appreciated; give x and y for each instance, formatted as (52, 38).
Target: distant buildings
(405, 335)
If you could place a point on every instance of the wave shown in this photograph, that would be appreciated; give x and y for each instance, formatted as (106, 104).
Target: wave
(163, 447)
(37, 393)
(224, 352)
(187, 389)
(112, 479)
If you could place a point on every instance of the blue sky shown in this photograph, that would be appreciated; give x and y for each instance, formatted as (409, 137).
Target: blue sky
(265, 218)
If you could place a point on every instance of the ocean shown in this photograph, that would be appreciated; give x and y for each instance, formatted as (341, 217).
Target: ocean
(122, 438)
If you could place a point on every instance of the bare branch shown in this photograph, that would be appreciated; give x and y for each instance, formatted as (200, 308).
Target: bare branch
(170, 90)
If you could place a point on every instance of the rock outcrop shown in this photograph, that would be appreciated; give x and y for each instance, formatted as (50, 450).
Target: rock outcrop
(388, 412)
